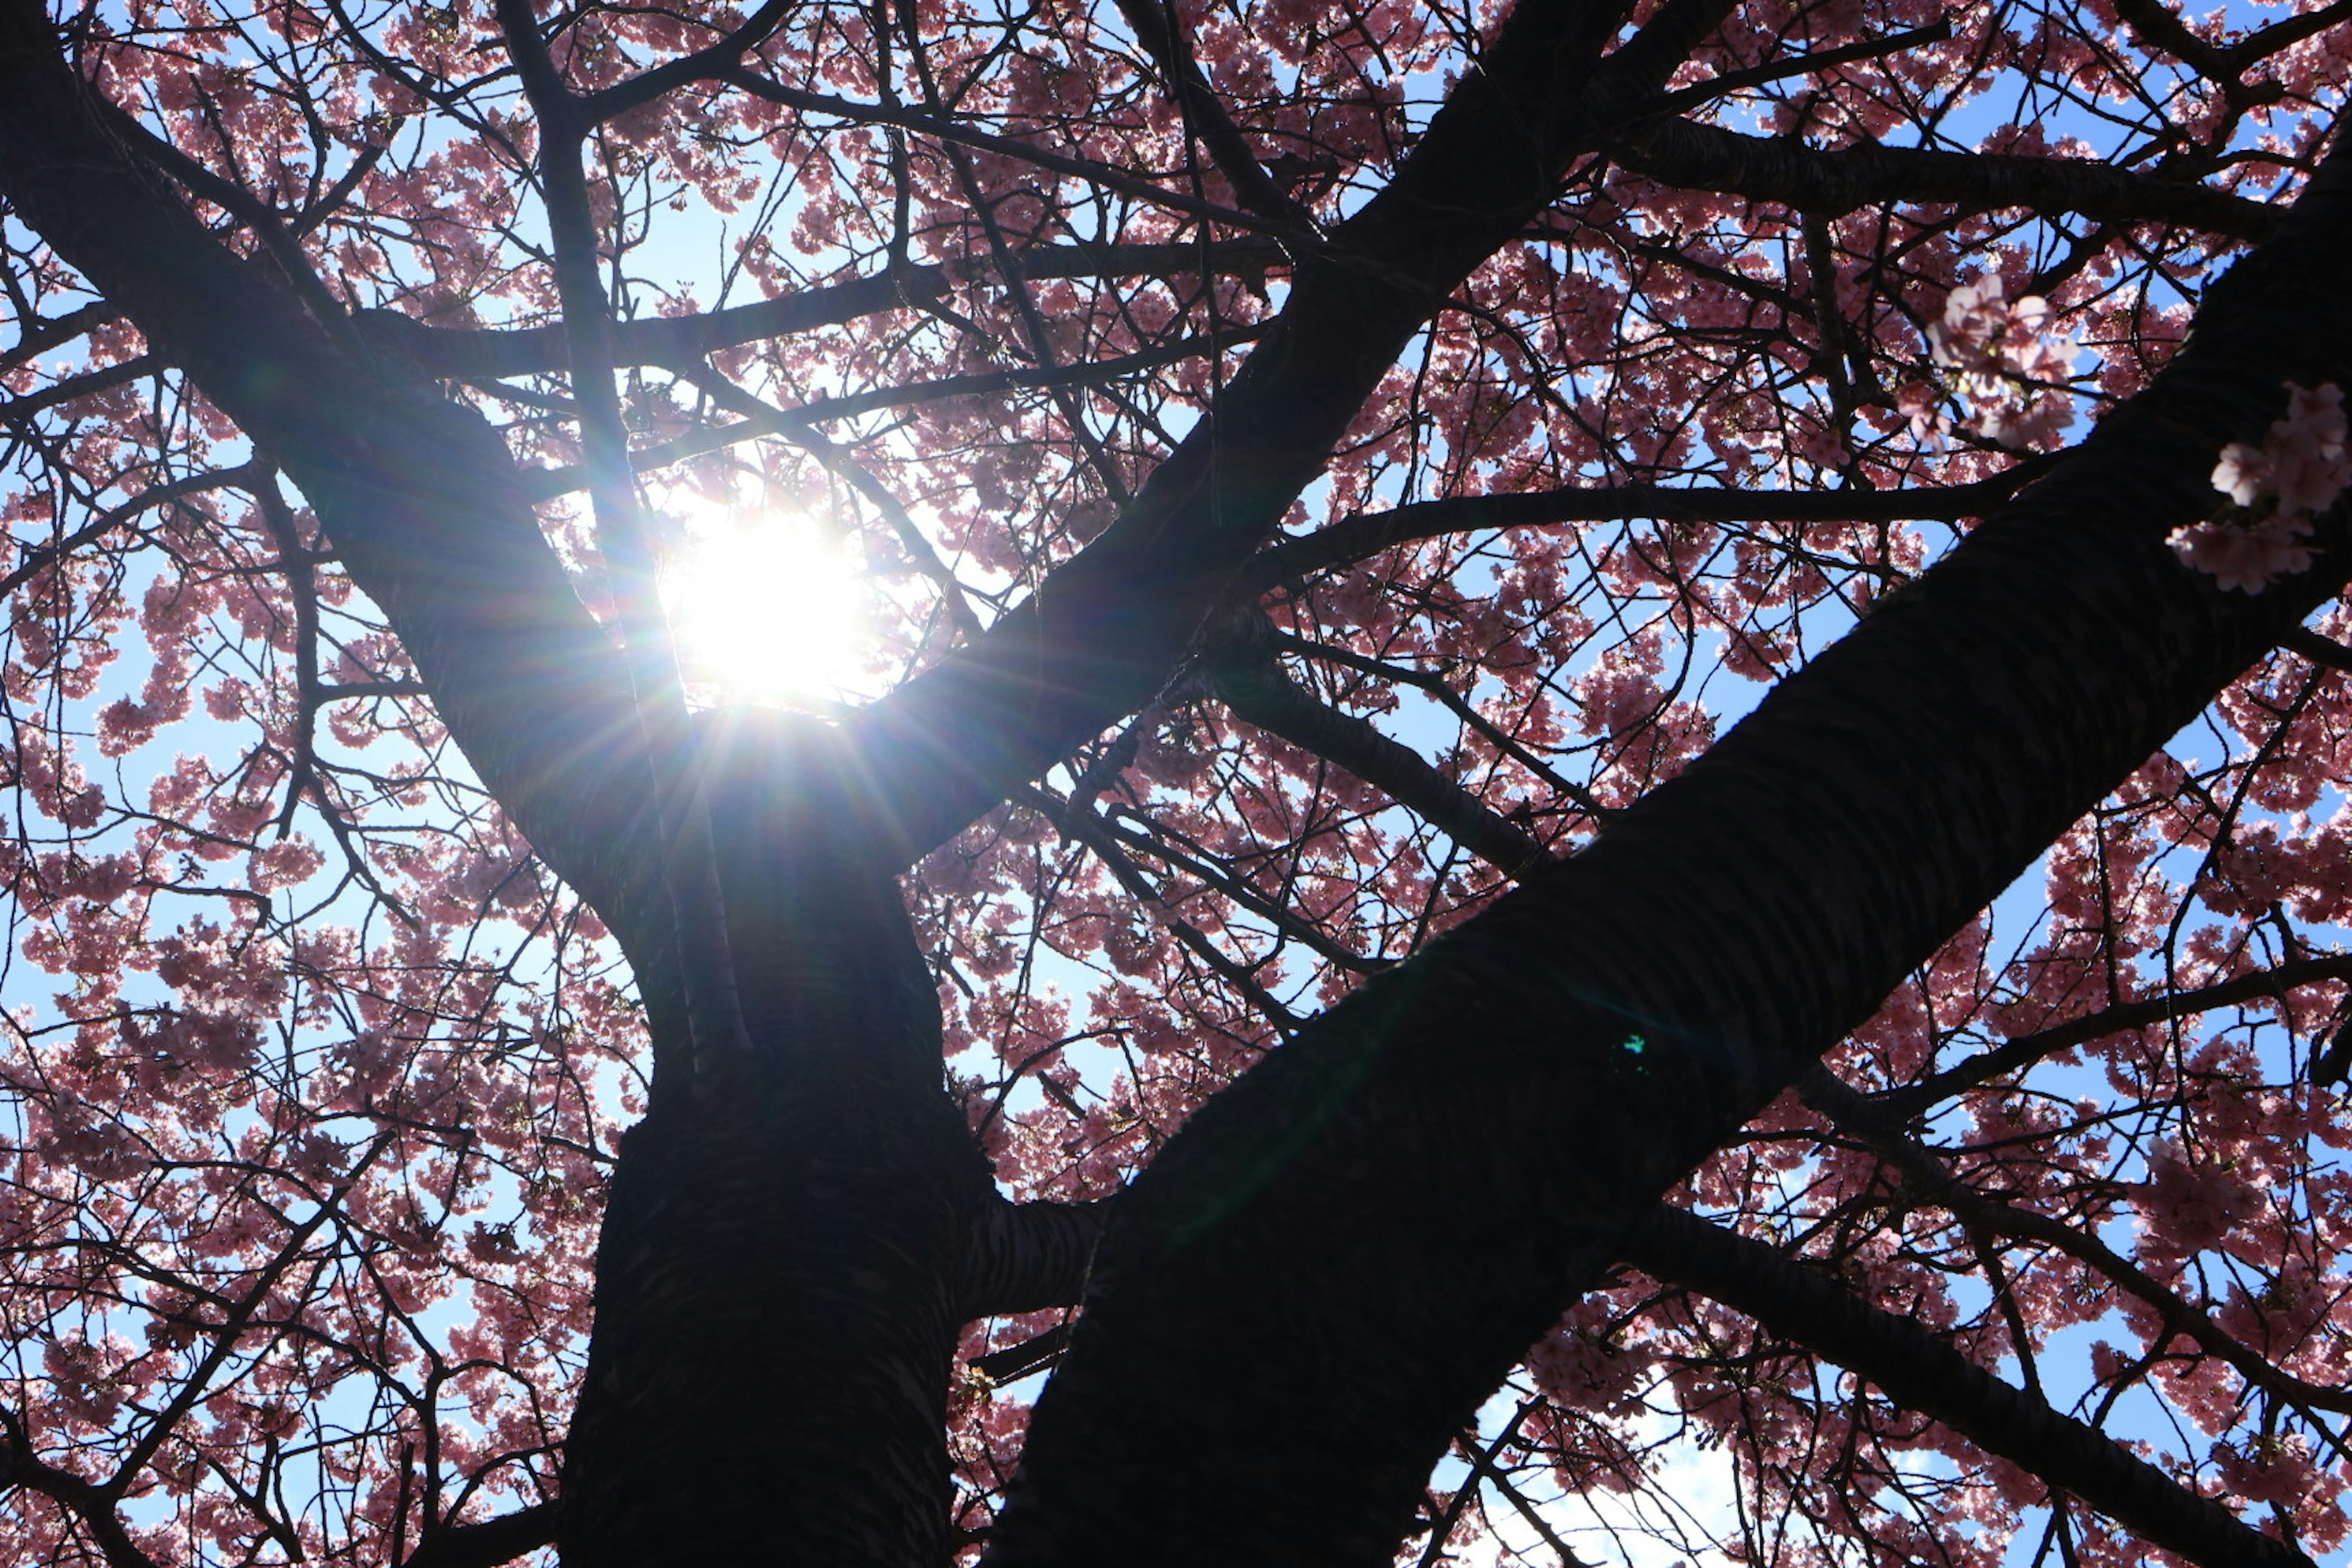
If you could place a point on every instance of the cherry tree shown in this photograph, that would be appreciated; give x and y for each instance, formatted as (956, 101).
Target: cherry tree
(1571, 747)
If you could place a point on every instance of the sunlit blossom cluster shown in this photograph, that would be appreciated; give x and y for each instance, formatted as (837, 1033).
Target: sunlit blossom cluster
(2300, 468)
(2002, 359)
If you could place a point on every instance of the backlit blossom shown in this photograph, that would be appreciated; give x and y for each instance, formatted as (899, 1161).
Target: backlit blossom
(2247, 558)
(2187, 1206)
(2300, 468)
(316, 1072)
(1986, 338)
(2301, 463)
(2002, 363)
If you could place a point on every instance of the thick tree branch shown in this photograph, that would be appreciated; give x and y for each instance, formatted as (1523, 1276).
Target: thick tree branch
(2260, 46)
(1832, 181)
(704, 63)
(16, 411)
(488, 1543)
(716, 1035)
(1253, 685)
(2324, 651)
(1103, 635)
(94, 1508)
(678, 343)
(2159, 27)
(1157, 28)
(1915, 1369)
(1316, 1245)
(1366, 534)
(418, 495)
(1017, 1361)
(1025, 1256)
(1924, 1374)
(1438, 690)
(41, 335)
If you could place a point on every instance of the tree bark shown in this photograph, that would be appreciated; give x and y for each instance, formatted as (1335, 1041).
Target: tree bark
(776, 1319)
(1310, 1291)
(781, 1278)
(1359, 1240)
(418, 496)
(1101, 635)
(792, 1244)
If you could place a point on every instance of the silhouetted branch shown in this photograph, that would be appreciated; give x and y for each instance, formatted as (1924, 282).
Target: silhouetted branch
(1831, 181)
(1108, 176)
(1017, 1361)
(1254, 686)
(1158, 28)
(1900, 1104)
(40, 558)
(92, 1507)
(2320, 650)
(82, 384)
(606, 103)
(1103, 635)
(1420, 1180)
(1023, 1257)
(1810, 62)
(1926, 1174)
(486, 1542)
(1366, 534)
(546, 483)
(418, 496)
(677, 342)
(1922, 1372)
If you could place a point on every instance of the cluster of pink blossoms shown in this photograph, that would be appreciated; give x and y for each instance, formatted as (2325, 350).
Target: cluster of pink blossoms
(2300, 468)
(2010, 373)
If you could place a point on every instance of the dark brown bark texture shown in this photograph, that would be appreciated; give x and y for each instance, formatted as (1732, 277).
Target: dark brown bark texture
(1300, 1303)
(784, 1265)
(1358, 1238)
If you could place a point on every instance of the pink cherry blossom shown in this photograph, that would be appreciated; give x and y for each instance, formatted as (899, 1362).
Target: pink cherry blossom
(2303, 463)
(316, 1070)
(2301, 468)
(2004, 362)
(1986, 338)
(2248, 557)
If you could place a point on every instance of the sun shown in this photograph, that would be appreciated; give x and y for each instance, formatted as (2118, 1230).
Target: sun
(767, 607)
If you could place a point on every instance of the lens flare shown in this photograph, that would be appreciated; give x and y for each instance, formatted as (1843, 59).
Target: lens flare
(767, 608)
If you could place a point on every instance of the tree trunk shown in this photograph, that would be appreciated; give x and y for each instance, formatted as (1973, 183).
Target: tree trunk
(1310, 1291)
(776, 1315)
(782, 1272)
